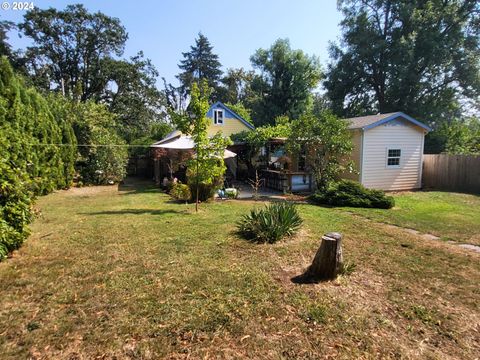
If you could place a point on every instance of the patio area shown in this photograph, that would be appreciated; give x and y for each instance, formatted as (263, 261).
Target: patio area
(246, 192)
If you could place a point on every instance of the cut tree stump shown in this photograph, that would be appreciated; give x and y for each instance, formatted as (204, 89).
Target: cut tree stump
(328, 261)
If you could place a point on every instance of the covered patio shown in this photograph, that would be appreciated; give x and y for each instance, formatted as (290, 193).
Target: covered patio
(171, 154)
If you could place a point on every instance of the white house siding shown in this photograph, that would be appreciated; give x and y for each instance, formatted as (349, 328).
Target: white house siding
(398, 134)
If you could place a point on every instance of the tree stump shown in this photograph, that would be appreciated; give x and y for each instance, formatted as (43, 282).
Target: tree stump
(328, 261)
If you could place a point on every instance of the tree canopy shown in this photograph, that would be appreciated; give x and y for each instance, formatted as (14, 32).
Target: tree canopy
(327, 142)
(5, 47)
(69, 47)
(236, 86)
(458, 137)
(421, 57)
(76, 52)
(285, 82)
(132, 94)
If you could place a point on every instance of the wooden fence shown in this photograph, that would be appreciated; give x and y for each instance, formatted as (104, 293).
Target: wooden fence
(452, 172)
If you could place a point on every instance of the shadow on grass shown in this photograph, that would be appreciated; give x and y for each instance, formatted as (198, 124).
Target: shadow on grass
(305, 278)
(136, 212)
(260, 199)
(428, 190)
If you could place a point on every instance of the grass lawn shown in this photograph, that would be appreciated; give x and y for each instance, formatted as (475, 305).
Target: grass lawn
(451, 216)
(126, 273)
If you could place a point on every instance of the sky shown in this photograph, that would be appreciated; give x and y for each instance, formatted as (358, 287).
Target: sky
(163, 29)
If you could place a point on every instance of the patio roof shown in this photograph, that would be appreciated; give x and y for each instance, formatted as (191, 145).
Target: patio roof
(182, 142)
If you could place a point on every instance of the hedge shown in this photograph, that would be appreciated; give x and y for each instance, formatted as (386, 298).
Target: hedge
(32, 163)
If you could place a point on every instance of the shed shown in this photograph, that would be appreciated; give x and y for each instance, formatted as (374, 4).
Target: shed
(388, 151)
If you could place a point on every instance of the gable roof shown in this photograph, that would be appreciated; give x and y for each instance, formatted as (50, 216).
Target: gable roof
(235, 115)
(371, 121)
(172, 135)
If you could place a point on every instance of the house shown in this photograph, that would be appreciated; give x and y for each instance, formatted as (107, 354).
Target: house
(171, 152)
(226, 120)
(388, 155)
(388, 152)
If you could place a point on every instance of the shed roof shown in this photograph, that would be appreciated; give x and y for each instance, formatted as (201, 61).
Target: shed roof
(371, 121)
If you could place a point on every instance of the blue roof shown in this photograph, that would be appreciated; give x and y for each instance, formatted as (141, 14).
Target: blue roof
(233, 114)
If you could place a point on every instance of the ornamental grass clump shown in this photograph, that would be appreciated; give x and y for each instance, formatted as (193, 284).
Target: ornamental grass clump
(270, 224)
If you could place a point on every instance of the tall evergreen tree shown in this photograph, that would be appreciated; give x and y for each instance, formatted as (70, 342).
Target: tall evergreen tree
(198, 64)
(31, 131)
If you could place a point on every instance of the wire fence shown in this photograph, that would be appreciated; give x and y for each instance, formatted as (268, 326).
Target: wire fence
(91, 145)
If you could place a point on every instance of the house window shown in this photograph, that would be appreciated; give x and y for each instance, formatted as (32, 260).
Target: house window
(393, 157)
(218, 117)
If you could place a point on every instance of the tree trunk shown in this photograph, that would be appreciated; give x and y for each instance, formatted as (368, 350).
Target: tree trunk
(328, 261)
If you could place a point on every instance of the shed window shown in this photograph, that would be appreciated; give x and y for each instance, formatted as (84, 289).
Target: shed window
(218, 117)
(393, 157)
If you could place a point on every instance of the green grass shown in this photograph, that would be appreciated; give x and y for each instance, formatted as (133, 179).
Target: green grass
(451, 216)
(128, 273)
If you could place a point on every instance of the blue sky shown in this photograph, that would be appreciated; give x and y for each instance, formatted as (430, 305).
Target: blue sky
(236, 28)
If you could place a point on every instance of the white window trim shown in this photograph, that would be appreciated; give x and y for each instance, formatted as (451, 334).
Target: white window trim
(393, 157)
(223, 117)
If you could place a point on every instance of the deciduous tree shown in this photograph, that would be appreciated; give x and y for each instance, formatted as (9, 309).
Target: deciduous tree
(285, 82)
(421, 57)
(327, 142)
(69, 46)
(207, 167)
(131, 93)
(236, 86)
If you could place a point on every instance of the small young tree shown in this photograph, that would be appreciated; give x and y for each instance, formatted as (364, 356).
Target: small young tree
(206, 167)
(327, 142)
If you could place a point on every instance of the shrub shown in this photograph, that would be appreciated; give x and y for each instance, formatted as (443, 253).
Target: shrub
(206, 190)
(271, 223)
(354, 194)
(169, 186)
(15, 208)
(181, 192)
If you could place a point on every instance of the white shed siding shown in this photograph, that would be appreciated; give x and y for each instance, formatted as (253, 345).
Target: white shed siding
(396, 134)
(355, 156)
